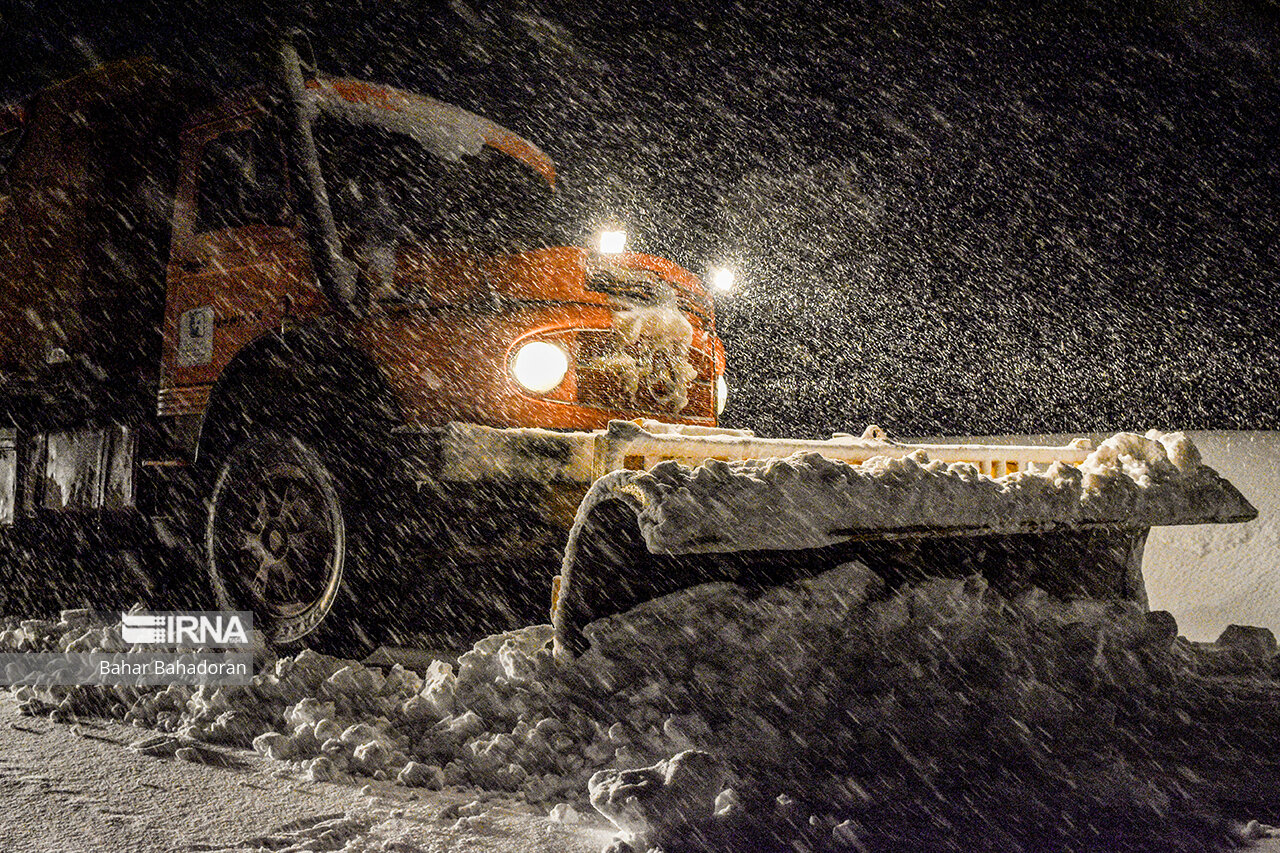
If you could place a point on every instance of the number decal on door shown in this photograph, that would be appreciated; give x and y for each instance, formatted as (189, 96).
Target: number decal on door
(195, 337)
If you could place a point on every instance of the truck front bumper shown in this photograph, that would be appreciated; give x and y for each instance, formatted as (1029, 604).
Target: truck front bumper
(470, 453)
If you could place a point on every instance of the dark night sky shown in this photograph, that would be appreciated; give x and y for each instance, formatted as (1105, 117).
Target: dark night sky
(947, 218)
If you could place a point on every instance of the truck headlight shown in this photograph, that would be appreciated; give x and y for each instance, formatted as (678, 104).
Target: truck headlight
(722, 394)
(540, 366)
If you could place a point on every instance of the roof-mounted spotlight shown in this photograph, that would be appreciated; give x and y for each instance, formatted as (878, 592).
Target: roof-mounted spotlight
(612, 242)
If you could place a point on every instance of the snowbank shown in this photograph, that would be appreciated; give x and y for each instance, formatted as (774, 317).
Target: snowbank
(1209, 575)
(841, 719)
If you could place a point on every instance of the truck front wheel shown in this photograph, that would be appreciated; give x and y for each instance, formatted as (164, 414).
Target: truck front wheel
(277, 542)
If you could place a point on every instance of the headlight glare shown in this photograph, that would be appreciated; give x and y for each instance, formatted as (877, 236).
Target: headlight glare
(540, 366)
(722, 279)
(722, 394)
(612, 242)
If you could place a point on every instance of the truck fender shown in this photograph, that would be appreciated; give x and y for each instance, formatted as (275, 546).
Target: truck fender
(309, 374)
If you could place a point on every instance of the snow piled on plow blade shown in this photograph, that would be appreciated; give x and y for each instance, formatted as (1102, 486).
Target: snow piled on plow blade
(1074, 531)
(809, 501)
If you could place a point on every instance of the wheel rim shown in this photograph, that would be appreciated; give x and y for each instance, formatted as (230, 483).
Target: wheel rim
(276, 535)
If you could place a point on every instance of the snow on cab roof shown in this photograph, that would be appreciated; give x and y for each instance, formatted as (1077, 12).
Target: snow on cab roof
(448, 131)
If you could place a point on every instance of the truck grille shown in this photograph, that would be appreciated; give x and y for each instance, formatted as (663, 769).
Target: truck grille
(637, 378)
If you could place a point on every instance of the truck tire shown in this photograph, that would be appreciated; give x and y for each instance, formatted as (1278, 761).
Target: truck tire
(280, 540)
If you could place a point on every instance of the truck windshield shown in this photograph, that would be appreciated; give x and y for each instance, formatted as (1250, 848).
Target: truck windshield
(390, 187)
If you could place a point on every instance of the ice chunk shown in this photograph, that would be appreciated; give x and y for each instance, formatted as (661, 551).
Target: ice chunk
(274, 745)
(564, 813)
(654, 803)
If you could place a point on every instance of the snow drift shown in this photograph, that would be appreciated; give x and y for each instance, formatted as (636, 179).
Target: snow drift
(940, 717)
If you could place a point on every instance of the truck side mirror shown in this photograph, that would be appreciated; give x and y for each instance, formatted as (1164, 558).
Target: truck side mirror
(335, 274)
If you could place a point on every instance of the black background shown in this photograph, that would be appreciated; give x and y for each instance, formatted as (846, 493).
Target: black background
(945, 217)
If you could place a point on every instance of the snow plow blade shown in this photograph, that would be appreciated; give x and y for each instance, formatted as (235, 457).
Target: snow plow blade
(1074, 526)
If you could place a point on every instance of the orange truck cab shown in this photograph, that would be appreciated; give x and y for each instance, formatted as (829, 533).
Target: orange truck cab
(378, 372)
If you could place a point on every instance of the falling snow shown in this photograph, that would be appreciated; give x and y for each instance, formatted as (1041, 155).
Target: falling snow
(946, 220)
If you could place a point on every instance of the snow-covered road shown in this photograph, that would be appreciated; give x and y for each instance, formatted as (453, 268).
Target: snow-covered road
(821, 713)
(79, 790)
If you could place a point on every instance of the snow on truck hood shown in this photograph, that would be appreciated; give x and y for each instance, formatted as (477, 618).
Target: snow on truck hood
(571, 274)
(1130, 480)
(557, 274)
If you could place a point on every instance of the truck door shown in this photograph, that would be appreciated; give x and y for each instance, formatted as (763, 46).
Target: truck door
(238, 268)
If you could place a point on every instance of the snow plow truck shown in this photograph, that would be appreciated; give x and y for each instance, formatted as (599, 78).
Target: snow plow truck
(320, 324)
